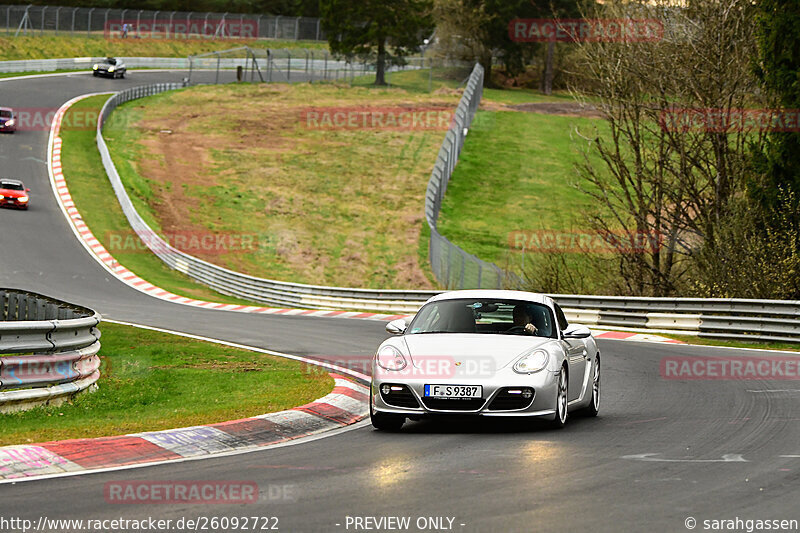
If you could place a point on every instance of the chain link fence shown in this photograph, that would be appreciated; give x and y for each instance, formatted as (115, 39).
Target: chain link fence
(139, 23)
(453, 267)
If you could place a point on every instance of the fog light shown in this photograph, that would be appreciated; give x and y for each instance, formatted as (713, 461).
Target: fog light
(527, 393)
(385, 388)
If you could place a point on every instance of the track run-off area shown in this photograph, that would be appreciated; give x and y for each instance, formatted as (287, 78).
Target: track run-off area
(663, 451)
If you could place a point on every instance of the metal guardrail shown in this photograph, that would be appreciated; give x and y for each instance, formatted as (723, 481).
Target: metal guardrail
(54, 349)
(226, 281)
(453, 267)
(43, 20)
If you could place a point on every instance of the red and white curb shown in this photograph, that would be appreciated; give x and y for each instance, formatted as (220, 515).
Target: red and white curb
(102, 256)
(628, 336)
(345, 405)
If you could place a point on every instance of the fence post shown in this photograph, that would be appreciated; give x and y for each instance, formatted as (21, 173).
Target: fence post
(216, 79)
(276, 26)
(289, 65)
(72, 30)
(296, 28)
(316, 38)
(88, 24)
(41, 31)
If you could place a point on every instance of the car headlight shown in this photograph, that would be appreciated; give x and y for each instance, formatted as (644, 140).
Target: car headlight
(390, 358)
(23, 199)
(111, 69)
(532, 362)
(95, 66)
(10, 122)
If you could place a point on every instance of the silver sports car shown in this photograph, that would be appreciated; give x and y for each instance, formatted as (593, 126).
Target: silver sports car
(488, 353)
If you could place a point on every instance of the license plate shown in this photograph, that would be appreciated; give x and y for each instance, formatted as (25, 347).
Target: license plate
(453, 391)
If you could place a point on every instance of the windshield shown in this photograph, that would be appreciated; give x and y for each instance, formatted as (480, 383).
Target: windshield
(5, 114)
(497, 316)
(10, 186)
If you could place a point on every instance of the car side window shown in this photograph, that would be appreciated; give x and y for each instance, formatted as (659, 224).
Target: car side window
(562, 320)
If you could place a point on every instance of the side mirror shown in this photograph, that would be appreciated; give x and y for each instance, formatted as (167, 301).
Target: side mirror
(27, 190)
(396, 327)
(576, 331)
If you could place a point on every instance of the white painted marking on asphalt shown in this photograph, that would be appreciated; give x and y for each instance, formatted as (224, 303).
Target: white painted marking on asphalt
(727, 458)
(773, 390)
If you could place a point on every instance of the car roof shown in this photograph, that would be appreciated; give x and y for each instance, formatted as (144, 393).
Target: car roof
(495, 293)
(5, 108)
(11, 181)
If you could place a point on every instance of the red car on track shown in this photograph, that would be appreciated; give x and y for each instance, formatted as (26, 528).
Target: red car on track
(13, 193)
(7, 121)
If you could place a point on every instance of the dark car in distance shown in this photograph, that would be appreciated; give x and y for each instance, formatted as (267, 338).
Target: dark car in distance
(8, 123)
(110, 67)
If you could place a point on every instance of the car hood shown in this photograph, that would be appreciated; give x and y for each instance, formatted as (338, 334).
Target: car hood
(12, 193)
(497, 350)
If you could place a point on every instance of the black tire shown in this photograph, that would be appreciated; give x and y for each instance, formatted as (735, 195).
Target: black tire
(122, 74)
(385, 421)
(94, 74)
(562, 399)
(594, 405)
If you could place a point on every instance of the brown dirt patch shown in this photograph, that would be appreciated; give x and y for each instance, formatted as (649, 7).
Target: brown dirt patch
(569, 109)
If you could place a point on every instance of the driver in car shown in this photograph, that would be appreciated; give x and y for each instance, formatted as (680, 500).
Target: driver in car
(523, 319)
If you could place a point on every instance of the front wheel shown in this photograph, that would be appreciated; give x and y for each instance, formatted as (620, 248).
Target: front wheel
(560, 418)
(385, 421)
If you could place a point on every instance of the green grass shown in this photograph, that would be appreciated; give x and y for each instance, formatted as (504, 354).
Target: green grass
(516, 173)
(328, 206)
(95, 199)
(151, 381)
(61, 46)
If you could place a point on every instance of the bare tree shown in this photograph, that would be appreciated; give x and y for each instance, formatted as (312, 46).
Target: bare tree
(655, 175)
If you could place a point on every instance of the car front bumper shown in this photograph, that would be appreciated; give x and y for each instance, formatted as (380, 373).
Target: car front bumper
(544, 386)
